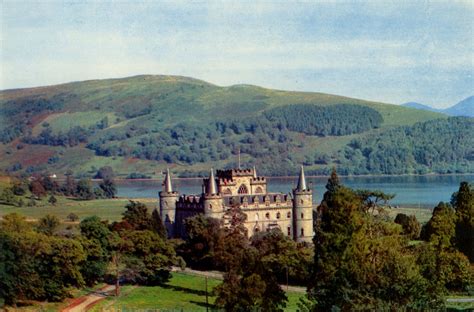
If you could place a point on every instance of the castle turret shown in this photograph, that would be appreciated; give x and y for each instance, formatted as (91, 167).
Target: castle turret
(302, 211)
(213, 203)
(168, 199)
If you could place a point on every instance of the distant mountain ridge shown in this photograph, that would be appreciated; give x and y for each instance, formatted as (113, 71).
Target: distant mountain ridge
(463, 108)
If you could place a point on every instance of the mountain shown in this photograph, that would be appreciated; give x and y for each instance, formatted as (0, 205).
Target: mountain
(463, 108)
(144, 124)
(420, 106)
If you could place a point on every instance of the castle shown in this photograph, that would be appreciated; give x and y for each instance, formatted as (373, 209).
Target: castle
(293, 215)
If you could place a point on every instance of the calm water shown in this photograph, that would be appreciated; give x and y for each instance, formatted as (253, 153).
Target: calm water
(414, 191)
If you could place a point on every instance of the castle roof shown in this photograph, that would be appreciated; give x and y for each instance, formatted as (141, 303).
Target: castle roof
(301, 181)
(211, 184)
(167, 183)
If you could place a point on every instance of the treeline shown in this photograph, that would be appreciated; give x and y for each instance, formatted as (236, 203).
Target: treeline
(334, 120)
(42, 262)
(40, 186)
(441, 146)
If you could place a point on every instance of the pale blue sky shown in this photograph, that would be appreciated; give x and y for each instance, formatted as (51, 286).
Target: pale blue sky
(387, 51)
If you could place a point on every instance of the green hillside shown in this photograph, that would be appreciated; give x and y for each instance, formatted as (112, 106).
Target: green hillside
(146, 123)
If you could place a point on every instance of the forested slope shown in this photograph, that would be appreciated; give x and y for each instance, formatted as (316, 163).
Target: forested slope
(146, 123)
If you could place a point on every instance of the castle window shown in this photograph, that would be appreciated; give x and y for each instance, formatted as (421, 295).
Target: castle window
(210, 206)
(289, 231)
(278, 215)
(243, 189)
(288, 215)
(301, 202)
(302, 232)
(227, 191)
(267, 215)
(256, 217)
(259, 190)
(302, 215)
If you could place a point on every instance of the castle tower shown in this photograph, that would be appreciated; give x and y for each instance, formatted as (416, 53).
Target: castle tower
(168, 199)
(213, 203)
(302, 211)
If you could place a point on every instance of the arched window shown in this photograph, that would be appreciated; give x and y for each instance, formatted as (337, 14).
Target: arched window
(243, 189)
(210, 206)
(259, 190)
(278, 215)
(267, 215)
(302, 215)
(227, 191)
(302, 232)
(288, 215)
(289, 231)
(256, 217)
(301, 202)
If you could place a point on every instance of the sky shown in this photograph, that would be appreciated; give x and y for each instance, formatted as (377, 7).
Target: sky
(393, 52)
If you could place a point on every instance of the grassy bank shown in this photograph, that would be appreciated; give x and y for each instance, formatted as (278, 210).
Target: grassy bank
(182, 293)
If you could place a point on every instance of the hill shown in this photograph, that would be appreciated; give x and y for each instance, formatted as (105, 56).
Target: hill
(143, 124)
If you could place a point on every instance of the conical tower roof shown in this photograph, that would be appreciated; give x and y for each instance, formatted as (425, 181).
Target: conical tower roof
(301, 181)
(211, 185)
(167, 183)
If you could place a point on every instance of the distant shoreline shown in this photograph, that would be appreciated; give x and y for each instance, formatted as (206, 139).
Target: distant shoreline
(310, 176)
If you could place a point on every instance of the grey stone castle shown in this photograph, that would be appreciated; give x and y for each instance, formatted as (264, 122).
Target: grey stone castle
(292, 214)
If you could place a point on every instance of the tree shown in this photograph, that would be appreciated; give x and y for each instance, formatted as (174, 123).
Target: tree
(410, 225)
(149, 259)
(84, 189)
(70, 185)
(105, 173)
(463, 203)
(108, 187)
(137, 216)
(34, 266)
(37, 189)
(8, 197)
(157, 224)
(203, 236)
(72, 217)
(14, 222)
(97, 243)
(360, 260)
(52, 200)
(19, 188)
(440, 229)
(48, 224)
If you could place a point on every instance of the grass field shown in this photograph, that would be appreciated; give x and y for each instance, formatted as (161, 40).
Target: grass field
(182, 293)
(107, 209)
(112, 209)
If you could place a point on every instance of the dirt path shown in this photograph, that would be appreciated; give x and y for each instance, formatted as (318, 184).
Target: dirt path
(84, 303)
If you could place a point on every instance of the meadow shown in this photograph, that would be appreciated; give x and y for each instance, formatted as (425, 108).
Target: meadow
(182, 293)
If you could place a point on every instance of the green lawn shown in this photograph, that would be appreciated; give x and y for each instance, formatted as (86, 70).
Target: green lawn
(182, 293)
(107, 209)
